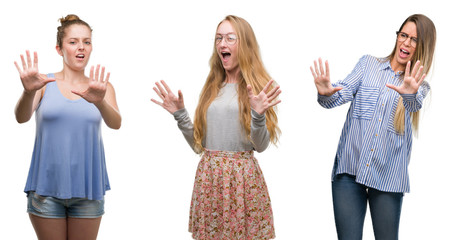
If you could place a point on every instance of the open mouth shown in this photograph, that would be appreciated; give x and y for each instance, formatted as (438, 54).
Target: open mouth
(404, 53)
(80, 56)
(226, 55)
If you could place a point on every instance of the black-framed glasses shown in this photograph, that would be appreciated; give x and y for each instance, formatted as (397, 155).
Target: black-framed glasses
(401, 37)
(230, 38)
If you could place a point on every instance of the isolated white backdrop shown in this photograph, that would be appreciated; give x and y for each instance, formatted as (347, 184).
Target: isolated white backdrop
(150, 166)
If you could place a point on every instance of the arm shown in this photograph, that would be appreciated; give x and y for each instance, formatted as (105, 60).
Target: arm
(101, 93)
(175, 106)
(33, 83)
(185, 125)
(413, 88)
(259, 104)
(259, 134)
(332, 95)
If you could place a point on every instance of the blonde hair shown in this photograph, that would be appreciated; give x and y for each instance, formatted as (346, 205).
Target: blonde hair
(252, 72)
(67, 21)
(426, 41)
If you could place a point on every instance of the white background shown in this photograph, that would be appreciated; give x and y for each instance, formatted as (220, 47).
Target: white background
(150, 166)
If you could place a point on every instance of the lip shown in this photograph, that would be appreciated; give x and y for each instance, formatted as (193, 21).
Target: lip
(404, 53)
(225, 56)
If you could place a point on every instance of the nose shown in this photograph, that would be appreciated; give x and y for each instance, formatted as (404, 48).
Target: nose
(222, 43)
(407, 42)
(81, 46)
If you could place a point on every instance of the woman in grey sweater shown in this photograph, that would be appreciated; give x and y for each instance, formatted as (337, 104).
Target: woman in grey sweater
(230, 198)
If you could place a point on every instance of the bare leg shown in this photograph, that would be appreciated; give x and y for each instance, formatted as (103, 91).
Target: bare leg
(83, 228)
(49, 228)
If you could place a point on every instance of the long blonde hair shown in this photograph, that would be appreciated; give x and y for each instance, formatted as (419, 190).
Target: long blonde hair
(252, 72)
(426, 41)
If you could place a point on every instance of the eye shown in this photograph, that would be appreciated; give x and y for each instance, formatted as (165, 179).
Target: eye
(72, 42)
(404, 35)
(232, 37)
(414, 39)
(87, 43)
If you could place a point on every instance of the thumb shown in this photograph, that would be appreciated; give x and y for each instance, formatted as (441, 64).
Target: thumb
(250, 90)
(180, 96)
(77, 93)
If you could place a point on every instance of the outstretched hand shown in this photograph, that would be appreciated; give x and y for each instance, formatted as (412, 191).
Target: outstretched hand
(170, 102)
(411, 82)
(31, 79)
(264, 100)
(322, 79)
(95, 93)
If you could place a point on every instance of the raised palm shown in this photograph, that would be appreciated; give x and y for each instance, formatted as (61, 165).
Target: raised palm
(265, 99)
(31, 79)
(170, 102)
(411, 81)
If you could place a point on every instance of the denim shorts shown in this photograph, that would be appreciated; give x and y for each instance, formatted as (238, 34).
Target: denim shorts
(50, 207)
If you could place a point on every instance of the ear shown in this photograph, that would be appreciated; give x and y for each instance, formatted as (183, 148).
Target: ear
(58, 49)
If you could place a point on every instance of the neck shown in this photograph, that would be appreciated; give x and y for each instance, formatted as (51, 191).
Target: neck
(232, 76)
(397, 67)
(73, 76)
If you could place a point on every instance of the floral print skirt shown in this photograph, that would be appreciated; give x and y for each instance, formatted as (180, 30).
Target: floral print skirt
(230, 199)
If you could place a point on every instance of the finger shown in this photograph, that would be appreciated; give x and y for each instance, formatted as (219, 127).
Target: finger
(35, 60)
(29, 59)
(166, 86)
(322, 72)
(267, 86)
(46, 79)
(415, 69)
(407, 71)
(274, 90)
(18, 68)
(91, 74)
(393, 87)
(250, 91)
(274, 103)
(107, 78)
(102, 75)
(274, 96)
(24, 65)
(336, 89)
(316, 68)
(159, 103)
(327, 69)
(97, 72)
(180, 96)
(158, 93)
(312, 71)
(419, 73)
(77, 93)
(421, 79)
(161, 90)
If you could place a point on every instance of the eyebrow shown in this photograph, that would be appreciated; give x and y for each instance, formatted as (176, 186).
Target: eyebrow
(226, 33)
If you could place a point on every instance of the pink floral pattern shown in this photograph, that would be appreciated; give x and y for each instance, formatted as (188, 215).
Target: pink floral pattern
(230, 199)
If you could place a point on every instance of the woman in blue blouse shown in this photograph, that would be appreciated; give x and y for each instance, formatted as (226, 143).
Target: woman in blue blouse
(371, 163)
(67, 178)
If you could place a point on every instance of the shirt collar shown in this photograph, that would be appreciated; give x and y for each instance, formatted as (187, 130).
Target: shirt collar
(386, 65)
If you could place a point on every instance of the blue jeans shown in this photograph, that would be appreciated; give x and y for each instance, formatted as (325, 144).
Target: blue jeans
(350, 203)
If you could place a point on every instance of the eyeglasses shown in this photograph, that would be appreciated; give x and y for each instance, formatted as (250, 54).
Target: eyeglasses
(402, 37)
(230, 38)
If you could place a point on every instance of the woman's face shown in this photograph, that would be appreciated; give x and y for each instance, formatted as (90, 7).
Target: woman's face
(227, 46)
(76, 47)
(405, 49)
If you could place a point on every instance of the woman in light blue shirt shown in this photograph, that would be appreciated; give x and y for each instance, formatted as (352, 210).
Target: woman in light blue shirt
(371, 163)
(67, 178)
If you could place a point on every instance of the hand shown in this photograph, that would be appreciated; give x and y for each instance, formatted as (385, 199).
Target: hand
(411, 82)
(170, 102)
(31, 79)
(95, 93)
(322, 79)
(263, 101)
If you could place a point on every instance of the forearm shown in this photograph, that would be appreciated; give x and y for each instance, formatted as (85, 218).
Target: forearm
(185, 125)
(110, 115)
(414, 102)
(24, 107)
(259, 133)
